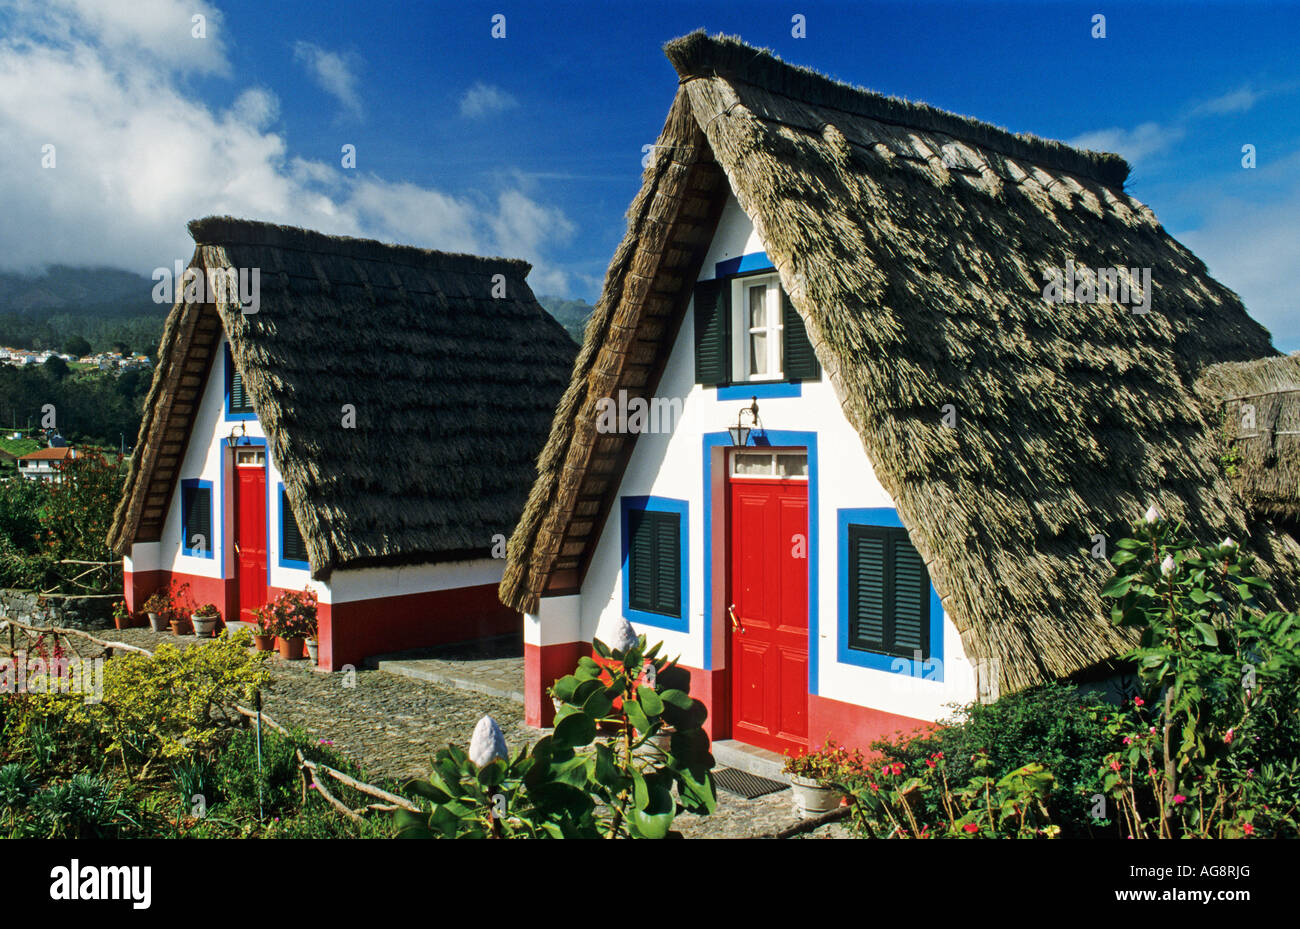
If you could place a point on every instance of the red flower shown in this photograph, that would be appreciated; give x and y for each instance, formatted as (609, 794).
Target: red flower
(1138, 701)
(1248, 829)
(970, 827)
(1227, 736)
(1114, 765)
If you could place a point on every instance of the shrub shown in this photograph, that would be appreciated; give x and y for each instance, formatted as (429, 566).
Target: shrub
(16, 786)
(169, 704)
(1054, 726)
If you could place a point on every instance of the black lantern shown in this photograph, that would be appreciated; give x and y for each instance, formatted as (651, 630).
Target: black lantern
(233, 440)
(740, 432)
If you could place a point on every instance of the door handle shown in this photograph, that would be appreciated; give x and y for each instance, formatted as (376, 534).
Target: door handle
(735, 620)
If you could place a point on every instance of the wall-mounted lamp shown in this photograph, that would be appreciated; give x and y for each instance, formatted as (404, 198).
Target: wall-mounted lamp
(237, 432)
(740, 432)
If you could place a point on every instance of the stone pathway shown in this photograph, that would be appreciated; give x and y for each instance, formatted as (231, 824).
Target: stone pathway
(391, 724)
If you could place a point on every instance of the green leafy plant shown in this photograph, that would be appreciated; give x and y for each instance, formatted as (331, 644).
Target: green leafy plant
(206, 610)
(627, 733)
(1212, 747)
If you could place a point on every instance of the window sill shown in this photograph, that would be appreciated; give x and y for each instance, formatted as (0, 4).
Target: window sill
(764, 390)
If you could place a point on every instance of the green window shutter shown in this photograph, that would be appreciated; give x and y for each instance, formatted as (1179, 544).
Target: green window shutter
(654, 562)
(295, 549)
(911, 599)
(712, 333)
(196, 516)
(889, 593)
(238, 397)
(667, 564)
(800, 361)
(867, 549)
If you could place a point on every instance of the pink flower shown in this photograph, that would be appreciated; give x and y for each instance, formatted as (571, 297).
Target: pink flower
(1114, 765)
(1127, 740)
(1227, 736)
(1248, 829)
(1179, 798)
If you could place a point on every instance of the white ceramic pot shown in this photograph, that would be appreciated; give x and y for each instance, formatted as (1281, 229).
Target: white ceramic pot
(812, 798)
(204, 626)
(312, 647)
(158, 622)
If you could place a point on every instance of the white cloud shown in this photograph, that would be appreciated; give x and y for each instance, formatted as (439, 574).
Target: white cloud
(161, 31)
(1134, 144)
(1248, 241)
(138, 155)
(1238, 101)
(485, 100)
(334, 73)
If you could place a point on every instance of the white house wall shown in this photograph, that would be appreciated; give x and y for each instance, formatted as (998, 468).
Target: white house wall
(670, 465)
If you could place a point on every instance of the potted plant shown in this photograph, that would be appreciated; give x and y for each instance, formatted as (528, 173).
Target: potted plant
(812, 776)
(205, 620)
(263, 637)
(179, 608)
(122, 618)
(158, 606)
(293, 620)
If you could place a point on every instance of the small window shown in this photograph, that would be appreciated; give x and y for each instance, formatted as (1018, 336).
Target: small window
(769, 464)
(759, 328)
(654, 562)
(196, 518)
(889, 593)
(292, 546)
(250, 458)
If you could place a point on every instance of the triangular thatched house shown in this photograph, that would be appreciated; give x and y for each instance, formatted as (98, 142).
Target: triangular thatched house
(343, 414)
(973, 357)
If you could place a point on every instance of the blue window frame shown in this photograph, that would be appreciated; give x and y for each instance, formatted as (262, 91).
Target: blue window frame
(854, 528)
(196, 518)
(238, 404)
(656, 562)
(292, 549)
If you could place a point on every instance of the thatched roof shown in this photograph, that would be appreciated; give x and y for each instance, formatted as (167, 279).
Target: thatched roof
(452, 390)
(913, 244)
(1258, 403)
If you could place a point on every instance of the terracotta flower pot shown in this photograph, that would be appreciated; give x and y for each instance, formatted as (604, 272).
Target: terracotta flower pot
(291, 648)
(264, 643)
(157, 622)
(181, 626)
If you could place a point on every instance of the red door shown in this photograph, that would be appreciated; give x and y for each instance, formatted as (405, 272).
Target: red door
(768, 590)
(250, 530)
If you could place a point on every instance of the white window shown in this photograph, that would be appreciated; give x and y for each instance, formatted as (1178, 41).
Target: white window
(756, 324)
(769, 465)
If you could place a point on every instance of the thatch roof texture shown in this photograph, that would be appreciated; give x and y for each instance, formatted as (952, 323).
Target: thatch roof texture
(453, 389)
(1258, 405)
(914, 244)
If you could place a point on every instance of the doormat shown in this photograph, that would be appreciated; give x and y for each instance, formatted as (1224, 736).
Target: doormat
(744, 784)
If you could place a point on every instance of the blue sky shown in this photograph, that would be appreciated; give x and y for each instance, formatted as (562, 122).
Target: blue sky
(531, 145)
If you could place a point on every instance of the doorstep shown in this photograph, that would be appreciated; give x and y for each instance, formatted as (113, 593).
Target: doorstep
(734, 754)
(489, 667)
